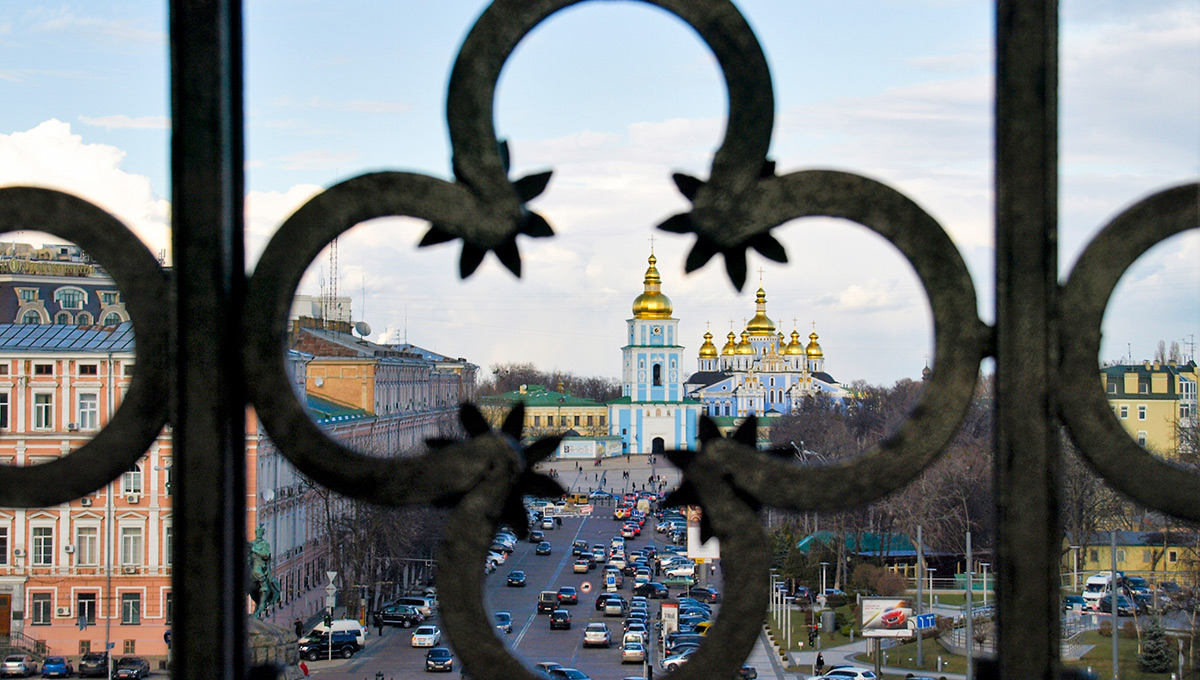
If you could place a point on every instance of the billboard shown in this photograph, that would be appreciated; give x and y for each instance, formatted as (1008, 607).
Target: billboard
(887, 617)
(710, 549)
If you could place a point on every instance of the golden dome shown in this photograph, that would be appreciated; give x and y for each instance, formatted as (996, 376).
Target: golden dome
(744, 347)
(730, 345)
(760, 324)
(652, 304)
(813, 350)
(708, 350)
(795, 347)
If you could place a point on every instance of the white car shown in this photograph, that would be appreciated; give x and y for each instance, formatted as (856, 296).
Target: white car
(596, 635)
(681, 570)
(849, 673)
(676, 660)
(426, 636)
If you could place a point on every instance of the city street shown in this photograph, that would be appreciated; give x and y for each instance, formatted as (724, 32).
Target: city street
(531, 636)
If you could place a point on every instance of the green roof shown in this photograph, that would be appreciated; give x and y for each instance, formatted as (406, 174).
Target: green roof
(866, 543)
(324, 410)
(537, 395)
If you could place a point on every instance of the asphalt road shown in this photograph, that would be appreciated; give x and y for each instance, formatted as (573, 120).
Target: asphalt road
(531, 637)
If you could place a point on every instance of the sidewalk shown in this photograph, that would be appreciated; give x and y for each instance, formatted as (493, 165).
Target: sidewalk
(845, 654)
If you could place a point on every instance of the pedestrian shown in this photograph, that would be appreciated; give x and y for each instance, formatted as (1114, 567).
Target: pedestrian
(304, 668)
(820, 662)
(299, 626)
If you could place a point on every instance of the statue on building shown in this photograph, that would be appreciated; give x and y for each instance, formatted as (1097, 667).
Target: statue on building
(264, 587)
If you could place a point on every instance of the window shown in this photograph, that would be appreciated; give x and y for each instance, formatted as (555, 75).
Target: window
(3, 545)
(537, 421)
(1094, 555)
(41, 609)
(1141, 412)
(89, 410)
(43, 411)
(1120, 555)
(70, 298)
(1112, 387)
(131, 482)
(87, 546)
(589, 421)
(110, 298)
(658, 374)
(1172, 556)
(43, 546)
(131, 609)
(112, 319)
(85, 607)
(62, 318)
(1124, 411)
(550, 421)
(1143, 388)
(576, 421)
(28, 294)
(43, 369)
(4, 410)
(1141, 438)
(602, 418)
(31, 317)
(85, 647)
(130, 647)
(169, 608)
(83, 319)
(89, 369)
(131, 546)
(168, 544)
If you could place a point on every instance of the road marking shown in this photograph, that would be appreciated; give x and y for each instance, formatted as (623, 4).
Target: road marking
(567, 557)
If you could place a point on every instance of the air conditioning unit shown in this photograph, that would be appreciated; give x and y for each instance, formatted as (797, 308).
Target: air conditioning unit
(18, 552)
(133, 498)
(85, 502)
(72, 427)
(69, 548)
(63, 612)
(130, 570)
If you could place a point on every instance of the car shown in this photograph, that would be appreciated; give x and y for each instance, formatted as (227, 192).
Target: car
(596, 634)
(704, 594)
(636, 626)
(560, 619)
(849, 673)
(599, 554)
(748, 672)
(581, 566)
(319, 646)
(675, 640)
(57, 667)
(135, 667)
(542, 548)
(568, 595)
(93, 664)
(1075, 601)
(578, 548)
(546, 667)
(547, 523)
(547, 601)
(1125, 606)
(653, 590)
(426, 636)
(633, 652)
(893, 618)
(439, 659)
(569, 674)
(516, 579)
(536, 536)
(18, 664)
(602, 598)
(503, 621)
(674, 661)
(424, 605)
(405, 615)
(615, 606)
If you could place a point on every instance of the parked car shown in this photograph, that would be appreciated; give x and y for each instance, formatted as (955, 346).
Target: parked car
(93, 664)
(704, 594)
(561, 673)
(18, 664)
(1076, 601)
(404, 615)
(849, 673)
(653, 590)
(426, 636)
(1125, 606)
(596, 634)
(676, 660)
(747, 672)
(57, 667)
(439, 659)
(132, 667)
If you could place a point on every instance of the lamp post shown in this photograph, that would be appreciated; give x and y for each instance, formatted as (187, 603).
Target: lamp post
(823, 565)
(930, 571)
(1075, 568)
(985, 565)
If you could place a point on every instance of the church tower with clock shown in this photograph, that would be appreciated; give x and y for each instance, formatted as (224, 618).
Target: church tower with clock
(652, 413)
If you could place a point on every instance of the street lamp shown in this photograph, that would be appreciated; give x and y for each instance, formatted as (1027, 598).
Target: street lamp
(1075, 568)
(823, 565)
(930, 570)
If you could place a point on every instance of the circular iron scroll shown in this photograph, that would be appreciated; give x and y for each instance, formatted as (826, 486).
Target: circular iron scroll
(473, 522)
(435, 477)
(1085, 409)
(960, 341)
(471, 93)
(143, 411)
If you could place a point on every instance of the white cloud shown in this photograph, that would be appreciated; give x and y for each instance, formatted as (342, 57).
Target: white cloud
(116, 31)
(50, 155)
(123, 121)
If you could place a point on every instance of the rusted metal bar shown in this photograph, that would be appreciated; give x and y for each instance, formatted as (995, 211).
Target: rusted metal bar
(1027, 450)
(208, 395)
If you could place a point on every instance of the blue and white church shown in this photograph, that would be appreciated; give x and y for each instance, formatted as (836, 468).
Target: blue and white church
(653, 413)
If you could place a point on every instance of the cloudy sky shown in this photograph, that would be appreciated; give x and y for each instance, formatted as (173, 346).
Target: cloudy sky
(614, 98)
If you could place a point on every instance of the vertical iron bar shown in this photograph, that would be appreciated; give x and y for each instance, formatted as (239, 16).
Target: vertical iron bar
(209, 401)
(1027, 447)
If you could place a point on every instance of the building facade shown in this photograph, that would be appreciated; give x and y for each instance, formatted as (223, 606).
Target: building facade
(57, 283)
(1155, 402)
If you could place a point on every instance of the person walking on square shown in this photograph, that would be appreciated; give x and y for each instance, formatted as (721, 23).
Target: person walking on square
(299, 626)
(820, 662)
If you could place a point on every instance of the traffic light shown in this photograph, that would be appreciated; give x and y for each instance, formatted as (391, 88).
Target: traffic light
(328, 619)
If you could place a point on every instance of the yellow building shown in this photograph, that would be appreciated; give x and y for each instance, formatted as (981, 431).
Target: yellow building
(548, 412)
(1153, 401)
(1153, 555)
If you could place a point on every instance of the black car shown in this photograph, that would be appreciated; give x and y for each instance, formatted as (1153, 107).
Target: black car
(704, 594)
(560, 619)
(536, 536)
(652, 590)
(93, 665)
(542, 548)
(568, 595)
(578, 548)
(516, 579)
(604, 597)
(345, 644)
(132, 667)
(439, 659)
(404, 615)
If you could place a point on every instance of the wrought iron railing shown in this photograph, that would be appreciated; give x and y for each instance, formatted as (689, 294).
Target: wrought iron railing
(212, 361)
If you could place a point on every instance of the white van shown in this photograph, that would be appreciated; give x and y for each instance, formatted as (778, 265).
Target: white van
(633, 637)
(339, 625)
(1097, 586)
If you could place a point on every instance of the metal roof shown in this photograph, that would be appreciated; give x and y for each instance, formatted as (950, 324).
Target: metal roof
(66, 338)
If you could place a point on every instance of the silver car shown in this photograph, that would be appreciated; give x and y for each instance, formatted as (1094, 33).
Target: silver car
(18, 664)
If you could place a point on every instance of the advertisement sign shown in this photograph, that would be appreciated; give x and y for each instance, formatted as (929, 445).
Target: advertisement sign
(887, 617)
(710, 549)
(670, 617)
